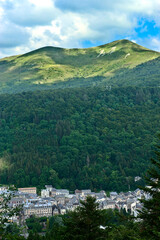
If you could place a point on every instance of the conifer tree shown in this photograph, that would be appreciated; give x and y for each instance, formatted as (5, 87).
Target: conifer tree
(85, 222)
(150, 213)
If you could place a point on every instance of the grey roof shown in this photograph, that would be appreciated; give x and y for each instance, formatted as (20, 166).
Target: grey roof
(60, 196)
(114, 193)
(111, 202)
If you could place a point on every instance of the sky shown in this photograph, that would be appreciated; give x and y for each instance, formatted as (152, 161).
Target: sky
(26, 25)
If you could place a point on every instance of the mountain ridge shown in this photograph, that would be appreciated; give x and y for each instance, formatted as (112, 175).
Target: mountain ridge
(54, 67)
(99, 46)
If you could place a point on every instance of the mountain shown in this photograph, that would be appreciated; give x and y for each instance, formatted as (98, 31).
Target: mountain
(95, 124)
(114, 64)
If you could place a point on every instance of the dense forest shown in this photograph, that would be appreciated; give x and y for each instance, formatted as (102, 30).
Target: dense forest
(78, 138)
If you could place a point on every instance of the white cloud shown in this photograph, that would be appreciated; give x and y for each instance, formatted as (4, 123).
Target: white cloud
(29, 12)
(155, 44)
(12, 35)
(29, 24)
(60, 34)
(129, 6)
(42, 3)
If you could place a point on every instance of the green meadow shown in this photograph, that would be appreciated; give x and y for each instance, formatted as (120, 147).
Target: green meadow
(49, 67)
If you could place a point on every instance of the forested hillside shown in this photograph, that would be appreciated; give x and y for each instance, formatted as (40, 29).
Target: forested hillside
(78, 138)
(145, 74)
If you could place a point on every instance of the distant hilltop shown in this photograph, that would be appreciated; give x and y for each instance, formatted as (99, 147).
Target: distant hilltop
(119, 63)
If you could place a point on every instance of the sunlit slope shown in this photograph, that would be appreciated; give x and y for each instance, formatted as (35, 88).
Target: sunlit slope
(57, 67)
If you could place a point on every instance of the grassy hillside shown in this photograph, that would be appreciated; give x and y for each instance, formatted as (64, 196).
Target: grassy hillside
(51, 67)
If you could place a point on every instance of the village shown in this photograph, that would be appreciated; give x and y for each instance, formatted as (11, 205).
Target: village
(54, 201)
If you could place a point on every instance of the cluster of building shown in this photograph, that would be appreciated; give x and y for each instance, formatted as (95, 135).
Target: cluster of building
(59, 201)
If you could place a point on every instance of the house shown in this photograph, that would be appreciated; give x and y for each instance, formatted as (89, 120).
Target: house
(113, 195)
(78, 193)
(53, 192)
(51, 200)
(16, 201)
(60, 199)
(92, 194)
(49, 187)
(110, 204)
(45, 193)
(101, 194)
(28, 190)
(62, 192)
(39, 209)
(85, 192)
(2, 188)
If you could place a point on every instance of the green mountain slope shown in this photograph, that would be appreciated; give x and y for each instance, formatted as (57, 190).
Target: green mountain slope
(97, 137)
(51, 67)
(78, 138)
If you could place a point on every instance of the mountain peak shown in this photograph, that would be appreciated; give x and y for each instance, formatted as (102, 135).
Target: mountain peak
(52, 66)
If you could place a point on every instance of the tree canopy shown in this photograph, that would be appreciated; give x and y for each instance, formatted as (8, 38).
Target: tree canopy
(150, 213)
(78, 138)
(86, 222)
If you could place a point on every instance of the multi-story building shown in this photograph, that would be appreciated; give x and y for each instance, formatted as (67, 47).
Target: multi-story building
(32, 190)
(40, 209)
